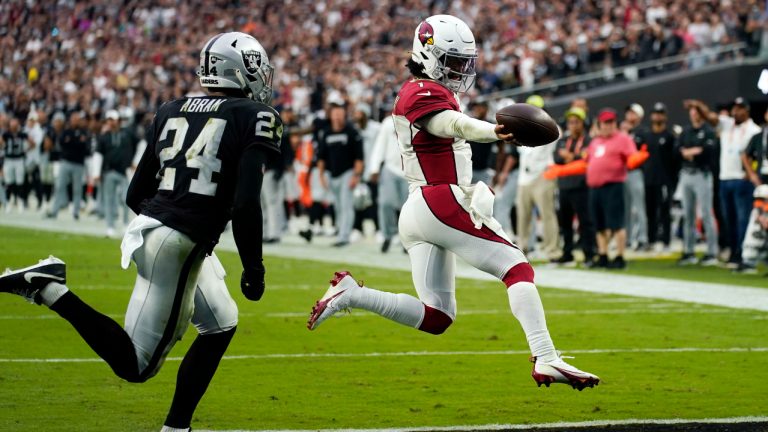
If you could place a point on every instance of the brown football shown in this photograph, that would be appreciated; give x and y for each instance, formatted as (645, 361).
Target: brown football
(530, 125)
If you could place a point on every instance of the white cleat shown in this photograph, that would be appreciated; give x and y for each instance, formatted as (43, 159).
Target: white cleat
(335, 299)
(28, 282)
(558, 371)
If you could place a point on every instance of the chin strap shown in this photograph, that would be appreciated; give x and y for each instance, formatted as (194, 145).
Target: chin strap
(243, 84)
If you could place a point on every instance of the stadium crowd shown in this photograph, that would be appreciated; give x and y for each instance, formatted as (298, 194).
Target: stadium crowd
(133, 55)
(81, 80)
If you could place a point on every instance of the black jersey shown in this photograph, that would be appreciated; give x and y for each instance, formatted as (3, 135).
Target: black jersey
(15, 144)
(194, 147)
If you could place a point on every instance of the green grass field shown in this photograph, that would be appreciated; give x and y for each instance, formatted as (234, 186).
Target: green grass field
(470, 383)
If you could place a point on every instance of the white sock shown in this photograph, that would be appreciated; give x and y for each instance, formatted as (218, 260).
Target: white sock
(170, 429)
(52, 292)
(401, 308)
(526, 306)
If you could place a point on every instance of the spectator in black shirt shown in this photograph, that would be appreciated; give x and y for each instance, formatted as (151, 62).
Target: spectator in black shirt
(755, 157)
(50, 154)
(75, 146)
(117, 147)
(340, 151)
(574, 193)
(660, 173)
(697, 145)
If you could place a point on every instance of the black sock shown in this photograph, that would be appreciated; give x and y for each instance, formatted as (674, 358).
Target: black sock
(102, 334)
(195, 373)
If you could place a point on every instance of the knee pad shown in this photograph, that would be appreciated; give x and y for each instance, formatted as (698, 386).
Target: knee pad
(522, 272)
(435, 321)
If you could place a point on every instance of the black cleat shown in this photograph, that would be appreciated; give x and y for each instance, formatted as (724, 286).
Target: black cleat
(306, 234)
(28, 282)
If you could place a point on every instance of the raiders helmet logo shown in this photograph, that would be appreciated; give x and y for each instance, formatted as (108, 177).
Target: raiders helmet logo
(426, 34)
(252, 61)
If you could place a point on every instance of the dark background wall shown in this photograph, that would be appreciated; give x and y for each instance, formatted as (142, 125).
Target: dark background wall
(717, 85)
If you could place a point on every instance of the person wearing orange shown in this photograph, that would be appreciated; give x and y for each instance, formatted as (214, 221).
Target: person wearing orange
(610, 156)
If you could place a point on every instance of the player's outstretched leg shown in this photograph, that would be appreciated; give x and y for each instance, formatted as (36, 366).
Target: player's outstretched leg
(525, 302)
(42, 283)
(345, 293)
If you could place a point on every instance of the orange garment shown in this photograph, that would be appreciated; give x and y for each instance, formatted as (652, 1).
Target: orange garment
(304, 155)
(579, 167)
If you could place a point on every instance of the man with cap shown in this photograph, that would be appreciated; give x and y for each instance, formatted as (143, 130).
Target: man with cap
(608, 154)
(634, 187)
(735, 188)
(116, 147)
(574, 194)
(660, 173)
(697, 145)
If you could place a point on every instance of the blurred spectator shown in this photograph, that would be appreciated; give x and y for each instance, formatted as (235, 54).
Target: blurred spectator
(660, 173)
(607, 157)
(735, 188)
(574, 194)
(535, 191)
(340, 151)
(116, 148)
(16, 144)
(755, 246)
(75, 147)
(505, 185)
(369, 130)
(386, 171)
(755, 157)
(697, 145)
(51, 154)
(634, 187)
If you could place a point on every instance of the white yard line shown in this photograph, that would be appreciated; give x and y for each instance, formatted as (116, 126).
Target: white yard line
(366, 254)
(502, 427)
(654, 311)
(419, 354)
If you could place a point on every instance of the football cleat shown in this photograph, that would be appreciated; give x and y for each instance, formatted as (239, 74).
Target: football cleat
(28, 282)
(558, 371)
(335, 299)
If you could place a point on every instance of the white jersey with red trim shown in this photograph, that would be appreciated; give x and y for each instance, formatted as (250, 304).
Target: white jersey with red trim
(429, 159)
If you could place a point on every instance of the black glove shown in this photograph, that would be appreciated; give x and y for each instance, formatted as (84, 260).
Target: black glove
(252, 283)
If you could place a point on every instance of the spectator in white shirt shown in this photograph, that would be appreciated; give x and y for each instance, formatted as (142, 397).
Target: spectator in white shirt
(735, 188)
(386, 170)
(534, 190)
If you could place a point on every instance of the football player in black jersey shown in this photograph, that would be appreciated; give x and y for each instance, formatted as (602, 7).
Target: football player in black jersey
(202, 167)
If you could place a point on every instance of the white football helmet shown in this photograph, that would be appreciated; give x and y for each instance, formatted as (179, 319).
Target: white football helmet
(445, 47)
(237, 60)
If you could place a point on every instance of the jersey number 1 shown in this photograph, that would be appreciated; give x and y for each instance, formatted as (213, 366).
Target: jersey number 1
(202, 154)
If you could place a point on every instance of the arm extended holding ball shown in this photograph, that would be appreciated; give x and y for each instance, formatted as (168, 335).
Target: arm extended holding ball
(454, 124)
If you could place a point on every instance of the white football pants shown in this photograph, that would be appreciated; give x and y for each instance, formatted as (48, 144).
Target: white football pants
(435, 226)
(175, 284)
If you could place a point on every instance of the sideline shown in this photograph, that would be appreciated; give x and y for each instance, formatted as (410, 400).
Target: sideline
(366, 253)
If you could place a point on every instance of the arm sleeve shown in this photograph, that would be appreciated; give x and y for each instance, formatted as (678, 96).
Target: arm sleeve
(453, 124)
(246, 212)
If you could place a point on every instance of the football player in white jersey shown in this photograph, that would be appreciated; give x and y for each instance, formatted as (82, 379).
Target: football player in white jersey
(445, 215)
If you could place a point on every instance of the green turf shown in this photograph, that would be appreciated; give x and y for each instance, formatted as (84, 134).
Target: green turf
(384, 391)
